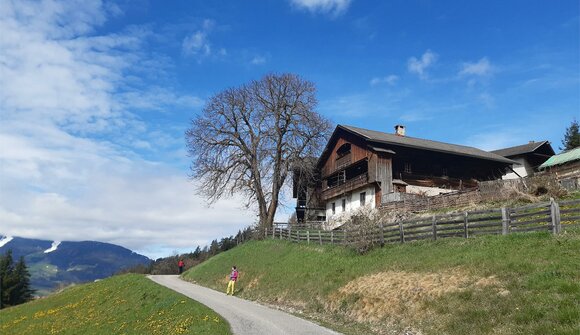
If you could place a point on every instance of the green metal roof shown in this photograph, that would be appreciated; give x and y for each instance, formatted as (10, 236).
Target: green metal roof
(565, 157)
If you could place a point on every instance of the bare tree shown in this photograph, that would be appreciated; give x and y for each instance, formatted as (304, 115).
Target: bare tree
(250, 138)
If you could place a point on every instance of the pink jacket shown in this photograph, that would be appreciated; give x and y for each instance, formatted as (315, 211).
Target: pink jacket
(234, 275)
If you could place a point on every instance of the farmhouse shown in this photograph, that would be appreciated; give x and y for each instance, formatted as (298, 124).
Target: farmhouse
(361, 167)
(528, 156)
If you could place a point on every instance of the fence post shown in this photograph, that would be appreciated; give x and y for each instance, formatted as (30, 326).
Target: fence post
(308, 236)
(401, 232)
(465, 225)
(344, 239)
(298, 235)
(319, 238)
(266, 232)
(281, 233)
(555, 214)
(434, 226)
(290, 233)
(505, 221)
(273, 232)
(332, 237)
(382, 234)
(558, 220)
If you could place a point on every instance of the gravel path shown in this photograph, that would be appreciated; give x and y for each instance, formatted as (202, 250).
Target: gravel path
(245, 317)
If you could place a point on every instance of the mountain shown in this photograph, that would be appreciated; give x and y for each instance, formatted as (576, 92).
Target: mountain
(55, 264)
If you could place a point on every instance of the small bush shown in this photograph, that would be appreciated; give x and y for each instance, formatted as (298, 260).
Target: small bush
(364, 224)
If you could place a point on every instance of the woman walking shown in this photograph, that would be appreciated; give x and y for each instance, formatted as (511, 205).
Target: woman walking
(233, 279)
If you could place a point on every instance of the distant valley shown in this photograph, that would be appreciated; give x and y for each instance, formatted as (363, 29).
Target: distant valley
(53, 264)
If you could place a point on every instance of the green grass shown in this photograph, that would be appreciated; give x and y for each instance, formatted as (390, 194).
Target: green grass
(127, 304)
(535, 283)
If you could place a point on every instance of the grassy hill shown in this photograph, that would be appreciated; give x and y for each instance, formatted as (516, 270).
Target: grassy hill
(516, 284)
(128, 304)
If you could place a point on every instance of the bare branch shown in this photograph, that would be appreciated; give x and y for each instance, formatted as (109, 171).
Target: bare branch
(248, 139)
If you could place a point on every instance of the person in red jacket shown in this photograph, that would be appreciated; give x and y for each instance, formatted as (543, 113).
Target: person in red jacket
(180, 264)
(233, 280)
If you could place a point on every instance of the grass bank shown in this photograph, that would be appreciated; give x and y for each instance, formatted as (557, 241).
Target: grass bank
(516, 284)
(127, 304)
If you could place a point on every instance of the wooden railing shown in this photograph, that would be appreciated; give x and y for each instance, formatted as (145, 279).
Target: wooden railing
(346, 186)
(549, 216)
(308, 236)
(342, 162)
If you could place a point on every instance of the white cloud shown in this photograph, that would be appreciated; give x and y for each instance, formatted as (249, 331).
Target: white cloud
(496, 139)
(419, 66)
(331, 7)
(365, 105)
(198, 44)
(71, 132)
(487, 100)
(390, 80)
(481, 68)
(257, 60)
(157, 98)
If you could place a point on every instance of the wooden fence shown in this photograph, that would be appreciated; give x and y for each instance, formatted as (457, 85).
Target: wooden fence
(546, 216)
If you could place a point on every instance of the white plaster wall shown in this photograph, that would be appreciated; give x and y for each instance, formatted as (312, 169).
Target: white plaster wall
(352, 202)
(524, 169)
(428, 191)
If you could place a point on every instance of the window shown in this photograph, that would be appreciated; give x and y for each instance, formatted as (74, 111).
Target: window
(363, 198)
(333, 208)
(343, 150)
(343, 204)
(408, 168)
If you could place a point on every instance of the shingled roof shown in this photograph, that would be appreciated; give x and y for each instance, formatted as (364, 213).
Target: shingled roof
(418, 143)
(520, 149)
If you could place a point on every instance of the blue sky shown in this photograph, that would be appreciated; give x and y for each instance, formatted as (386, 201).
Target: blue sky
(95, 96)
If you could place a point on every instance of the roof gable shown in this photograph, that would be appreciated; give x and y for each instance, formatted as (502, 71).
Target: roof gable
(526, 149)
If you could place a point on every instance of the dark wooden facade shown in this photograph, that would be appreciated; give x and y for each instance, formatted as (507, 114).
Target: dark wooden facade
(351, 164)
(357, 152)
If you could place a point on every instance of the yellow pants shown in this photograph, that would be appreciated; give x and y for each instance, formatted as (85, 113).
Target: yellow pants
(231, 285)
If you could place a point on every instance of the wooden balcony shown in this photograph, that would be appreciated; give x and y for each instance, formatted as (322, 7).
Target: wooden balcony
(345, 187)
(343, 162)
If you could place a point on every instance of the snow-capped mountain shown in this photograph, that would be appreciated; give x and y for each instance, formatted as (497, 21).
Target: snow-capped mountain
(55, 263)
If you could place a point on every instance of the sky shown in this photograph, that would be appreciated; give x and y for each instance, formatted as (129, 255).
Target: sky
(95, 96)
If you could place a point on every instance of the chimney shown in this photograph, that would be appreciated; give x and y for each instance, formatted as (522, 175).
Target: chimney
(400, 130)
